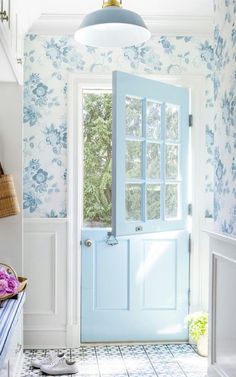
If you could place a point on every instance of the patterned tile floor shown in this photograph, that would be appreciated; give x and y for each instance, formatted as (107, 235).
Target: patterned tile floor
(144, 360)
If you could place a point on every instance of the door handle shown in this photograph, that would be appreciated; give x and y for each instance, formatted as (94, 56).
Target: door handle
(4, 16)
(88, 243)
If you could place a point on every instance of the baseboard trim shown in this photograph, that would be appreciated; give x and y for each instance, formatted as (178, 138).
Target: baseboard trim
(19, 365)
(73, 336)
(44, 338)
(214, 371)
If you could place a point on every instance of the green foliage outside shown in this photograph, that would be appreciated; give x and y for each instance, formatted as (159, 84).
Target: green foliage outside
(97, 158)
(197, 324)
(97, 116)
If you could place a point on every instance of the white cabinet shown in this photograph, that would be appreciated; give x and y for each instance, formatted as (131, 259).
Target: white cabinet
(16, 17)
(11, 39)
(14, 358)
(5, 18)
(11, 328)
(15, 355)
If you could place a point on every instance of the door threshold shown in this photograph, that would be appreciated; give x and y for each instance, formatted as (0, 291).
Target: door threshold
(133, 343)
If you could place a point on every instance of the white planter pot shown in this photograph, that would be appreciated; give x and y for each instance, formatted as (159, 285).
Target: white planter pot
(202, 345)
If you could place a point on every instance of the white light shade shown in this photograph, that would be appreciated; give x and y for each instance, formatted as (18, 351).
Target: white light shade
(112, 27)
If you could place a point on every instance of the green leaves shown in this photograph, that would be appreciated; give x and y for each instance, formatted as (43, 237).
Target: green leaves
(97, 158)
(197, 324)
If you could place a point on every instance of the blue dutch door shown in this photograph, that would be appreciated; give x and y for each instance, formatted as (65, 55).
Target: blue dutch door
(137, 289)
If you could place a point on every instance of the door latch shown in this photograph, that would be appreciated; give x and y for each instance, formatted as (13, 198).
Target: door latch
(111, 240)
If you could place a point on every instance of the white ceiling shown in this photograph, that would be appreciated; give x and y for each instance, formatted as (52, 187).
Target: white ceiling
(164, 17)
(144, 7)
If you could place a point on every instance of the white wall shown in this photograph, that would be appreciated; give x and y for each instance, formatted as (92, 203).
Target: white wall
(11, 159)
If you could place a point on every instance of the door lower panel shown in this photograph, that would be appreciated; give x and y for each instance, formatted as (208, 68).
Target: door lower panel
(136, 290)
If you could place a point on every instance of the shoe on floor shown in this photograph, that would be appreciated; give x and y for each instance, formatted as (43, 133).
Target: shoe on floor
(61, 366)
(50, 358)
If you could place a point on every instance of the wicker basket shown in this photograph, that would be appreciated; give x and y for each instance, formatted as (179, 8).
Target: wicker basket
(22, 281)
(9, 205)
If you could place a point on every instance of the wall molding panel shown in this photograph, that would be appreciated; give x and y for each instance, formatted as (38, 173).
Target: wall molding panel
(35, 239)
(222, 332)
(44, 261)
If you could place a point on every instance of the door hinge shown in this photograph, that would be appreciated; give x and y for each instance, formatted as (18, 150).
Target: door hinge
(190, 120)
(190, 209)
(189, 244)
(189, 296)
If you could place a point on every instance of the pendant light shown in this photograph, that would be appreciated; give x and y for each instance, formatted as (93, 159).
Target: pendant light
(112, 26)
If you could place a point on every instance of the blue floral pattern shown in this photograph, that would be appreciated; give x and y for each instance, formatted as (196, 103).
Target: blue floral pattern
(60, 53)
(56, 137)
(36, 95)
(143, 55)
(39, 182)
(48, 60)
(225, 116)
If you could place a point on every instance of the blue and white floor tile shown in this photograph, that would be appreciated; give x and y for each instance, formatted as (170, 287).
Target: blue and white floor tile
(144, 360)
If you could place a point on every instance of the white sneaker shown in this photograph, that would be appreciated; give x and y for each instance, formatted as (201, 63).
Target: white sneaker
(50, 358)
(61, 366)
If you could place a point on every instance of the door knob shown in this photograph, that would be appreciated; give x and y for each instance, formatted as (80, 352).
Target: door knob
(88, 243)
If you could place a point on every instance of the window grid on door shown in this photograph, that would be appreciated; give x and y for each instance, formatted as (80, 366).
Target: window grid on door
(159, 183)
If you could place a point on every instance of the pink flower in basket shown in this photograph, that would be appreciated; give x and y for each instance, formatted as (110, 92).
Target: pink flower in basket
(8, 283)
(3, 287)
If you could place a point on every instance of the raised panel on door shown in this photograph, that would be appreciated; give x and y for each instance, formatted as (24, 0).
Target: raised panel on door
(159, 270)
(111, 276)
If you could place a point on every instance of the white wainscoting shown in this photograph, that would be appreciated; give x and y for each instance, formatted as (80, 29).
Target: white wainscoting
(222, 327)
(45, 265)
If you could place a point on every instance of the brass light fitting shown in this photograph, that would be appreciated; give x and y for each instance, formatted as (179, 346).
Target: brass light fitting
(112, 3)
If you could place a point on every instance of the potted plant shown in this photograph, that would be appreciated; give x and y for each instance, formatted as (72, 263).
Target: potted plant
(198, 331)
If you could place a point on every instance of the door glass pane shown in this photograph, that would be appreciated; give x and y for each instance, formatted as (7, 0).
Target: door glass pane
(153, 160)
(133, 159)
(172, 161)
(133, 201)
(172, 122)
(153, 202)
(133, 116)
(171, 201)
(153, 120)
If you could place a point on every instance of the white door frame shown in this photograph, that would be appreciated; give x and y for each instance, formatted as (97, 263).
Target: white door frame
(199, 252)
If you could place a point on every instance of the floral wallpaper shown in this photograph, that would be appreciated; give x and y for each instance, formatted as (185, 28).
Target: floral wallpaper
(48, 62)
(225, 116)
